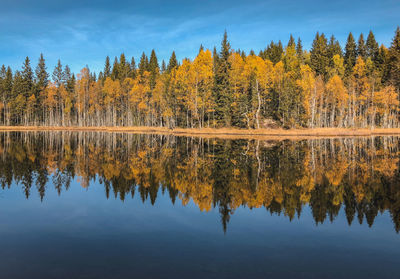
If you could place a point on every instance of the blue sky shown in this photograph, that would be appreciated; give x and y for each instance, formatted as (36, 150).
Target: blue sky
(84, 32)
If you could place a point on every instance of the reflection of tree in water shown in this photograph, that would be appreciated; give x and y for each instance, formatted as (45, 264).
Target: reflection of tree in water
(359, 174)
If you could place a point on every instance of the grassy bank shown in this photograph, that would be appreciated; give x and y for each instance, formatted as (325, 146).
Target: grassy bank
(222, 132)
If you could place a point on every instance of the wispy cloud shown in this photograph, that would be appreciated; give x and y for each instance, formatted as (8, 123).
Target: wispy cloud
(83, 33)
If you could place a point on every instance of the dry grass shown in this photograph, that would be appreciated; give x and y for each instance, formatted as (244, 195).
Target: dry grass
(222, 132)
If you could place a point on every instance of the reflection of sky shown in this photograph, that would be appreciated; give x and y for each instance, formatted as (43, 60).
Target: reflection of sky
(82, 233)
(84, 32)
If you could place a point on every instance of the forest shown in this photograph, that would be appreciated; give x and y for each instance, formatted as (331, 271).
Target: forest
(281, 86)
(359, 175)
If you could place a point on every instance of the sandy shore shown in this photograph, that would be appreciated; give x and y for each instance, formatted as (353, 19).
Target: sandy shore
(222, 132)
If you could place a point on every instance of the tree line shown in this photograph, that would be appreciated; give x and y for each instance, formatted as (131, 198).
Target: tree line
(359, 175)
(286, 86)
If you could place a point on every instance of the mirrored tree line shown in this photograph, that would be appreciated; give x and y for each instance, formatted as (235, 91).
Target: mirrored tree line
(327, 86)
(357, 175)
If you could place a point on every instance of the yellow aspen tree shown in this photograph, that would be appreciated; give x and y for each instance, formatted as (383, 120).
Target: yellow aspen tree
(264, 74)
(307, 86)
(338, 97)
(361, 94)
(50, 102)
(81, 90)
(31, 107)
(386, 105)
(138, 97)
(126, 86)
(202, 69)
(238, 83)
(279, 77)
(95, 103)
(112, 91)
(184, 80)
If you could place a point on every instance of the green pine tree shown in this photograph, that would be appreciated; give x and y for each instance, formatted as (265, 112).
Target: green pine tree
(291, 41)
(173, 63)
(361, 47)
(124, 67)
(143, 64)
(66, 75)
(42, 77)
(132, 72)
(107, 68)
(299, 51)
(58, 74)
(394, 61)
(274, 52)
(350, 54)
(18, 99)
(27, 77)
(319, 55)
(372, 47)
(154, 69)
(115, 69)
(163, 67)
(222, 87)
(6, 86)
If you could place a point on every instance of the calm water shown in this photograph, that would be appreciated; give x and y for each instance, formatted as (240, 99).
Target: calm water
(95, 205)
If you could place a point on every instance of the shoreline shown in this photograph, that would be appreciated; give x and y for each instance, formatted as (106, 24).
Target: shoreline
(220, 132)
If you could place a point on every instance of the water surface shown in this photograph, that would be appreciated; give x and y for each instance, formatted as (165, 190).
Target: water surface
(102, 205)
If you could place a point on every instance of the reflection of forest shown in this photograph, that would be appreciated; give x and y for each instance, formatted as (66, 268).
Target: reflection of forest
(360, 174)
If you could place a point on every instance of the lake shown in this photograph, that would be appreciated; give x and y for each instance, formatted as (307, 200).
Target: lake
(109, 205)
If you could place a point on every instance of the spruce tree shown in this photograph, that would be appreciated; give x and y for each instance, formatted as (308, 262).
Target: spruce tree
(299, 51)
(243, 55)
(101, 76)
(361, 47)
(132, 72)
(8, 81)
(334, 48)
(115, 69)
(27, 77)
(222, 87)
(5, 91)
(319, 55)
(154, 69)
(3, 72)
(42, 77)
(350, 54)
(394, 61)
(71, 84)
(215, 60)
(163, 67)
(42, 80)
(291, 41)
(124, 67)
(107, 68)
(274, 52)
(173, 63)
(18, 98)
(66, 75)
(58, 74)
(143, 64)
(381, 62)
(372, 47)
